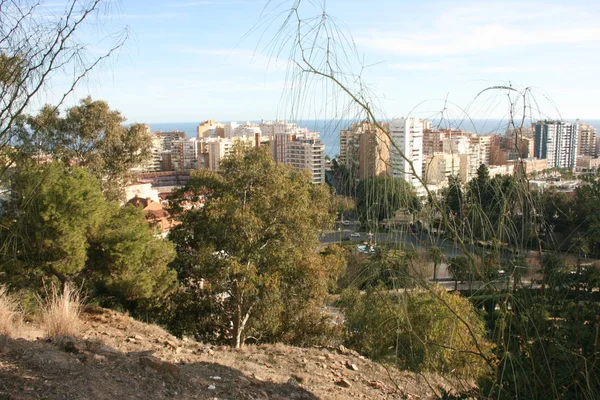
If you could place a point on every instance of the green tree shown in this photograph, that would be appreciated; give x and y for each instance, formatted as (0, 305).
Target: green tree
(460, 269)
(47, 223)
(126, 260)
(93, 136)
(379, 197)
(255, 241)
(587, 214)
(453, 199)
(58, 225)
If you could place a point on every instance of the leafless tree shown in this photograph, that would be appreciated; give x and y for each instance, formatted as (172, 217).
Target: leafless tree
(38, 45)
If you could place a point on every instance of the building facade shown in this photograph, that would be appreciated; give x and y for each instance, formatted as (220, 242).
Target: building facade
(556, 141)
(406, 151)
(308, 153)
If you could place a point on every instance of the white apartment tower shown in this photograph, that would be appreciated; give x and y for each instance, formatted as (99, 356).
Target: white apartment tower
(557, 141)
(406, 149)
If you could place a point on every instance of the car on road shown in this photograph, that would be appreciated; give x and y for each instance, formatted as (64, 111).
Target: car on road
(355, 235)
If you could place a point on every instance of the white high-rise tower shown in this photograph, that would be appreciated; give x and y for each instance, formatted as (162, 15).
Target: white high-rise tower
(407, 139)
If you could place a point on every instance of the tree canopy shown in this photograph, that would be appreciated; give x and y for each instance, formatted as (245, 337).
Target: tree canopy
(255, 244)
(379, 197)
(57, 224)
(90, 135)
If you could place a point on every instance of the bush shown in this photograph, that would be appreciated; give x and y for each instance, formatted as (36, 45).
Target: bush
(60, 311)
(421, 331)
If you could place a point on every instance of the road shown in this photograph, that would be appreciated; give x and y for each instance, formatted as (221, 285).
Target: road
(419, 241)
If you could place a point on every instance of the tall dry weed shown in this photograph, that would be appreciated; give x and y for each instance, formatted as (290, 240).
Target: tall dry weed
(60, 311)
(10, 317)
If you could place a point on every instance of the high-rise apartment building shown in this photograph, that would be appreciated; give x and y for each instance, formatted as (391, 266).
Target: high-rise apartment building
(308, 153)
(472, 152)
(153, 163)
(406, 152)
(279, 146)
(210, 128)
(557, 141)
(184, 154)
(169, 137)
(433, 141)
(365, 148)
(587, 140)
(349, 147)
(437, 168)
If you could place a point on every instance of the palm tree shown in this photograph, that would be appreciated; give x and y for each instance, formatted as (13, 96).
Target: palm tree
(436, 256)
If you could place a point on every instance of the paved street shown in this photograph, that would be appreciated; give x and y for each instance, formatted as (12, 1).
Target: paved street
(419, 241)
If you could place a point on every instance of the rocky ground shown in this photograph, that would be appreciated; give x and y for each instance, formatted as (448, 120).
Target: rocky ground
(116, 357)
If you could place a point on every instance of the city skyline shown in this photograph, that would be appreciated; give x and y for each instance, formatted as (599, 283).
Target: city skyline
(193, 60)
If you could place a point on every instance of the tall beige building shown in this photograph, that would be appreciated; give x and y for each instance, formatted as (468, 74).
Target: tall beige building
(210, 128)
(437, 168)
(215, 149)
(366, 149)
(308, 153)
(587, 140)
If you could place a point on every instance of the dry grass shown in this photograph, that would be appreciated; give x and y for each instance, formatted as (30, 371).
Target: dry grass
(10, 317)
(60, 311)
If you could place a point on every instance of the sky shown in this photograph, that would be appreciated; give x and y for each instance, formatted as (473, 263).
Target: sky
(187, 60)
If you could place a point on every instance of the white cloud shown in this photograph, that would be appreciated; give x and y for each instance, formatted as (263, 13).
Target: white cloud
(487, 27)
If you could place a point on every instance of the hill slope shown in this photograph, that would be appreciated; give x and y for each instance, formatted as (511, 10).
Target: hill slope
(116, 357)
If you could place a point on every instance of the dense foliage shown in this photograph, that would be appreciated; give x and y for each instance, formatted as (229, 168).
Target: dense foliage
(421, 331)
(90, 135)
(379, 197)
(247, 250)
(58, 225)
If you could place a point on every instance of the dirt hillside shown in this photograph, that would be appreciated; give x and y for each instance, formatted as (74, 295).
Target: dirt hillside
(116, 357)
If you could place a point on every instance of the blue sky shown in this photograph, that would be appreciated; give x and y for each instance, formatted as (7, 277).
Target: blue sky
(191, 60)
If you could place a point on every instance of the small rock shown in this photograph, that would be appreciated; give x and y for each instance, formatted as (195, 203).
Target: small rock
(292, 381)
(343, 383)
(298, 378)
(164, 367)
(130, 340)
(170, 344)
(351, 366)
(211, 387)
(376, 385)
(99, 358)
(343, 349)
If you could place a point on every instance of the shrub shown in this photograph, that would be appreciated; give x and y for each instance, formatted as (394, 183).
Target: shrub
(419, 330)
(60, 311)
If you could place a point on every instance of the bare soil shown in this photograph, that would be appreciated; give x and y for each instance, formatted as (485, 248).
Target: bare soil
(116, 357)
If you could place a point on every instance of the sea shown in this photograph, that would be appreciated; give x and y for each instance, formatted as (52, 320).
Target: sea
(330, 129)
